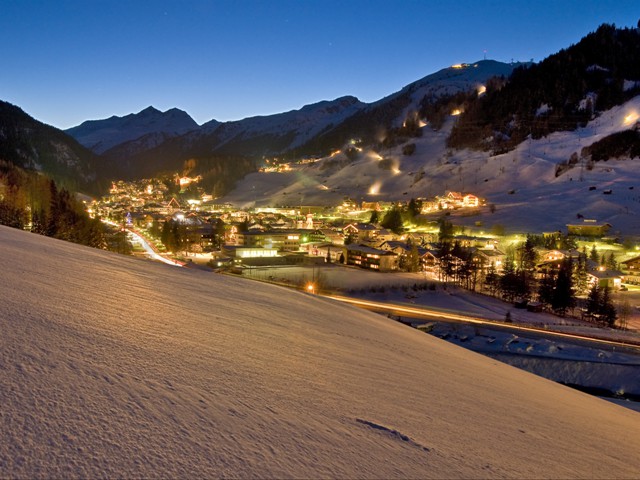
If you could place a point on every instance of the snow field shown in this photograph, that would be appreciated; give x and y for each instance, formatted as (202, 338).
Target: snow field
(116, 367)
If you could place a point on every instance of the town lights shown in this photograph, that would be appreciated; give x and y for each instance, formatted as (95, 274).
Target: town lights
(375, 188)
(631, 118)
(311, 288)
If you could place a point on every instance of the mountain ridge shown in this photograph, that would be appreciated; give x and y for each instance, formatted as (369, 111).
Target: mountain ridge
(102, 135)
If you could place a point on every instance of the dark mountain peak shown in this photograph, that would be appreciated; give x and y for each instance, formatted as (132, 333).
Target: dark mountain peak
(102, 135)
(150, 110)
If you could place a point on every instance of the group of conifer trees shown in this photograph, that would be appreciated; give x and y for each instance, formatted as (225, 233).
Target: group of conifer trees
(34, 202)
(564, 82)
(556, 288)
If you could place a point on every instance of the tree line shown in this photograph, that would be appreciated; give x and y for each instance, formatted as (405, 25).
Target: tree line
(574, 84)
(34, 202)
(555, 285)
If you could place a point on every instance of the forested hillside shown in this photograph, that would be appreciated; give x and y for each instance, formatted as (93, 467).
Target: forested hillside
(30, 144)
(562, 92)
(32, 201)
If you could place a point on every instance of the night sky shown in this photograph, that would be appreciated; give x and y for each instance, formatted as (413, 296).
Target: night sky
(64, 62)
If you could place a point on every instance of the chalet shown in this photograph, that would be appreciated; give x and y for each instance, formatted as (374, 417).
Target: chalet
(489, 256)
(400, 247)
(371, 206)
(385, 235)
(605, 278)
(280, 240)
(472, 241)
(557, 255)
(322, 235)
(631, 265)
(371, 258)
(173, 206)
(454, 197)
(362, 232)
(470, 200)
(328, 251)
(430, 261)
(631, 269)
(588, 229)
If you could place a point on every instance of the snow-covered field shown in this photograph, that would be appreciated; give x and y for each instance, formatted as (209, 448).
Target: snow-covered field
(578, 363)
(116, 367)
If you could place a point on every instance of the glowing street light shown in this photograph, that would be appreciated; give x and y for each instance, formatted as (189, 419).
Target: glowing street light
(311, 288)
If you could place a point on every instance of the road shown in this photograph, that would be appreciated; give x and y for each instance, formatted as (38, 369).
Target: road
(426, 313)
(151, 251)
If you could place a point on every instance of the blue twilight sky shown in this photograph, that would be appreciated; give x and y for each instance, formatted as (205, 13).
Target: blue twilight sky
(66, 61)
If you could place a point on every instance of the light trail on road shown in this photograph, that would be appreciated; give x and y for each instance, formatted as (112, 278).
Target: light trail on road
(148, 248)
(150, 251)
(446, 316)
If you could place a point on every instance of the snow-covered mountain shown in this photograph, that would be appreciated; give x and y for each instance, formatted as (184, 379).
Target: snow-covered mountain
(102, 135)
(135, 369)
(376, 121)
(312, 129)
(274, 134)
(522, 184)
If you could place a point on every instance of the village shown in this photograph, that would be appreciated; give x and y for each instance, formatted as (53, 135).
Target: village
(415, 237)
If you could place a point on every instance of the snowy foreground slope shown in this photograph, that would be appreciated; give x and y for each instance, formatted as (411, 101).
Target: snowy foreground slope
(112, 366)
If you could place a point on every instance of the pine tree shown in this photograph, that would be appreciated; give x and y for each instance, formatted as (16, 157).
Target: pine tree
(563, 295)
(166, 233)
(393, 220)
(608, 312)
(413, 259)
(528, 255)
(445, 232)
(414, 208)
(593, 301)
(508, 279)
(492, 279)
(580, 279)
(546, 288)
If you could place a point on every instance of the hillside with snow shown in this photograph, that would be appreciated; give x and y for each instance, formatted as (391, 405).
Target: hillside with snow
(522, 183)
(116, 367)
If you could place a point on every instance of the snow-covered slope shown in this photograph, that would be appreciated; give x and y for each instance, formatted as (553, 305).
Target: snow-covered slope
(116, 367)
(283, 131)
(459, 78)
(101, 135)
(522, 184)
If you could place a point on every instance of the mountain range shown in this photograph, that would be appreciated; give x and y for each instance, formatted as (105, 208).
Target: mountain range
(469, 126)
(143, 143)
